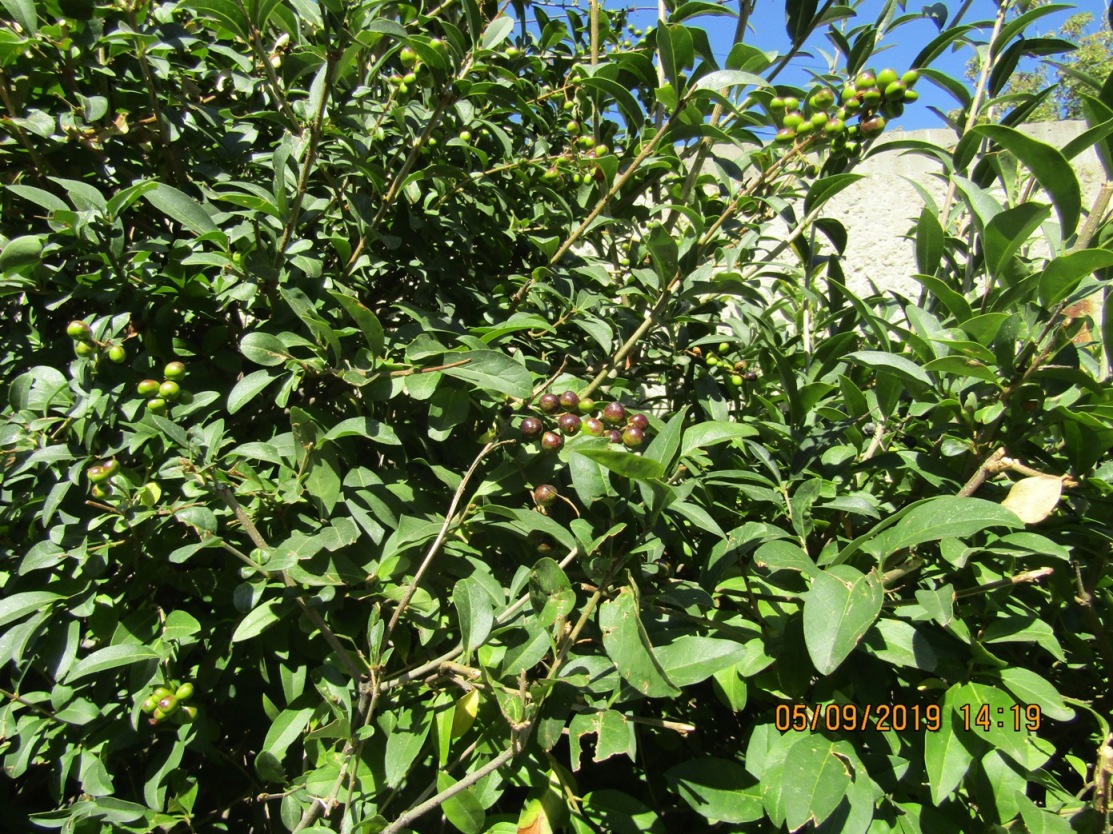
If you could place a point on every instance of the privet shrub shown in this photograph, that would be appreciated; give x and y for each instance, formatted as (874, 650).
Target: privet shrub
(295, 539)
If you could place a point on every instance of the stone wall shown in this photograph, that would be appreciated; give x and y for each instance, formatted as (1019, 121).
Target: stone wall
(878, 210)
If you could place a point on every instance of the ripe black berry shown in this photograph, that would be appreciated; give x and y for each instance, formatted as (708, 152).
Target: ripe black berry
(569, 423)
(639, 421)
(570, 401)
(614, 435)
(549, 403)
(633, 437)
(614, 414)
(531, 427)
(551, 441)
(545, 495)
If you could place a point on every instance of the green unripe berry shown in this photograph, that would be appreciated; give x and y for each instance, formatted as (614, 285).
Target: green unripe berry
(793, 120)
(407, 56)
(592, 426)
(865, 80)
(786, 134)
(792, 103)
(587, 405)
(157, 405)
(777, 103)
(168, 704)
(822, 99)
(911, 96)
(169, 390)
(895, 91)
(186, 714)
(849, 93)
(568, 105)
(819, 119)
(724, 347)
(409, 78)
(174, 370)
(96, 474)
(871, 97)
(110, 466)
(147, 387)
(117, 354)
(573, 127)
(465, 135)
(185, 691)
(736, 380)
(910, 78)
(852, 106)
(805, 128)
(85, 349)
(403, 90)
(79, 330)
(886, 77)
(834, 127)
(149, 705)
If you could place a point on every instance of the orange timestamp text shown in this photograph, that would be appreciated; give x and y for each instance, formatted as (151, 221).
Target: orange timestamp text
(885, 718)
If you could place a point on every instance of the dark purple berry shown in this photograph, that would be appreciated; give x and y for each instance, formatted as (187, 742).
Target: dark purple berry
(570, 401)
(614, 435)
(633, 437)
(569, 423)
(614, 414)
(551, 441)
(545, 495)
(639, 421)
(531, 427)
(749, 376)
(549, 403)
(593, 426)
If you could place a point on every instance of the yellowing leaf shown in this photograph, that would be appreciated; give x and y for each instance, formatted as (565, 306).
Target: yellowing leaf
(464, 715)
(1033, 499)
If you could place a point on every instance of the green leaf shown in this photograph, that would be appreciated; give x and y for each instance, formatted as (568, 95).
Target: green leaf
(721, 79)
(1048, 166)
(497, 31)
(942, 517)
(693, 658)
(247, 389)
(823, 189)
(899, 643)
(463, 810)
(947, 757)
(225, 12)
(627, 104)
(665, 444)
(1007, 232)
(285, 730)
(491, 371)
(23, 13)
(475, 609)
(177, 205)
(627, 644)
(257, 621)
(627, 464)
(819, 777)
(1031, 688)
(19, 605)
(782, 555)
(717, 789)
(550, 592)
(263, 349)
(405, 742)
(890, 363)
(663, 253)
(21, 252)
(929, 242)
(839, 608)
(1063, 274)
(363, 427)
(367, 322)
(995, 707)
(110, 657)
(710, 432)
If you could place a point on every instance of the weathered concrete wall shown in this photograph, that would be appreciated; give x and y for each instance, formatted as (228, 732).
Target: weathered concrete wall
(878, 210)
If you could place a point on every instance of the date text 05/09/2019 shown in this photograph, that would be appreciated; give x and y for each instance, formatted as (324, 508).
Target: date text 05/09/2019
(898, 718)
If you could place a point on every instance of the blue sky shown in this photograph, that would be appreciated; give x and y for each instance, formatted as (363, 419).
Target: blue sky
(767, 30)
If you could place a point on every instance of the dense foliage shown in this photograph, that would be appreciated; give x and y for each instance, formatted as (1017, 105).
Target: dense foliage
(293, 540)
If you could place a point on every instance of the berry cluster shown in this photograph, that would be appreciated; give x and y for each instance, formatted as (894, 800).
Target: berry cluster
(165, 703)
(99, 475)
(85, 346)
(736, 372)
(580, 416)
(870, 99)
(165, 392)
